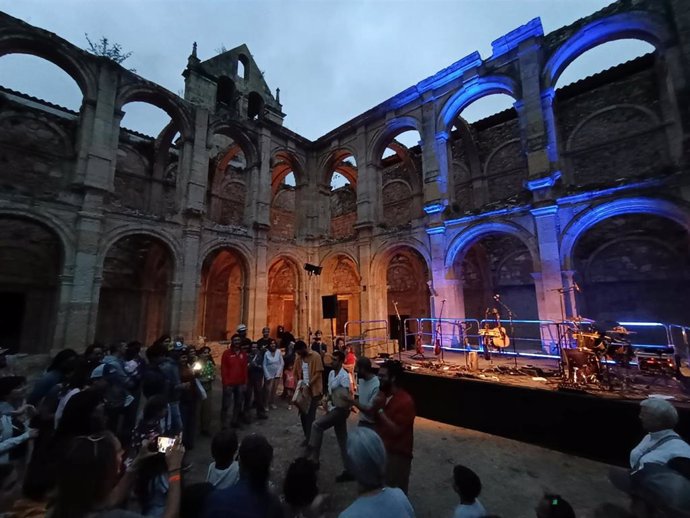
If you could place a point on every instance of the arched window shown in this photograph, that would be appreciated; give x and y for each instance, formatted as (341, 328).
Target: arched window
(19, 72)
(602, 58)
(255, 108)
(242, 66)
(225, 92)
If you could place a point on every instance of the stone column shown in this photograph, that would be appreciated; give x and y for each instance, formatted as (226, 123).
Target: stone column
(189, 283)
(64, 294)
(80, 325)
(258, 289)
(96, 154)
(549, 280)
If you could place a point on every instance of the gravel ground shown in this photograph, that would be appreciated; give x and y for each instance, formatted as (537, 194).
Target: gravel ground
(514, 475)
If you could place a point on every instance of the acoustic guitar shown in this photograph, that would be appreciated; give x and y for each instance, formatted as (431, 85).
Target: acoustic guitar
(501, 340)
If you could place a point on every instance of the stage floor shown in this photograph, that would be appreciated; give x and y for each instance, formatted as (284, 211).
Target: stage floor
(542, 373)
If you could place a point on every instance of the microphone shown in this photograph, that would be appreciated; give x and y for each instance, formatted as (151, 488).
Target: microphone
(577, 288)
(497, 297)
(443, 300)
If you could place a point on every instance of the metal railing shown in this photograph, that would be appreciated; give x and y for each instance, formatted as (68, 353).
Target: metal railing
(366, 342)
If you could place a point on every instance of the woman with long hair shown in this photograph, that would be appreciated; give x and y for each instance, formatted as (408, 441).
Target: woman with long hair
(90, 483)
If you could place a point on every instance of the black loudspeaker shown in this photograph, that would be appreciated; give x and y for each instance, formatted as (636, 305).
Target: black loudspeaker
(329, 306)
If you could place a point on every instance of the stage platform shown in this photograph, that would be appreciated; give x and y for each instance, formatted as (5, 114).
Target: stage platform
(530, 403)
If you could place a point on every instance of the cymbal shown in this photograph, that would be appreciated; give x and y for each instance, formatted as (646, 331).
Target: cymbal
(621, 332)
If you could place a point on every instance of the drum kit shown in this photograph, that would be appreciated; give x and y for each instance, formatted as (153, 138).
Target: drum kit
(593, 349)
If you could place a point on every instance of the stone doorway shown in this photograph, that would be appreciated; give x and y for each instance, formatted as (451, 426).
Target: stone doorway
(282, 296)
(30, 264)
(223, 294)
(134, 302)
(406, 281)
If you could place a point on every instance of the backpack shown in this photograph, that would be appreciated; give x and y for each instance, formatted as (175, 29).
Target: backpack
(154, 382)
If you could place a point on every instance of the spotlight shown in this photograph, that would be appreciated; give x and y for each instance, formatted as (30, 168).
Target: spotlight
(312, 269)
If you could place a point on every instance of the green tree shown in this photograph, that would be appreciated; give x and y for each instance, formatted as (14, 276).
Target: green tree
(113, 51)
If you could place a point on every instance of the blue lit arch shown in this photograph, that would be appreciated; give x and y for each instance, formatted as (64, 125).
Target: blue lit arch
(591, 216)
(464, 241)
(634, 25)
(473, 91)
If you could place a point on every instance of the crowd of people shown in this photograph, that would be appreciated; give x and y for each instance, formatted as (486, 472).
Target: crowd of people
(103, 434)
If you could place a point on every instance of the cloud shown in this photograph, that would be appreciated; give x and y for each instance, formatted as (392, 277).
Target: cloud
(331, 59)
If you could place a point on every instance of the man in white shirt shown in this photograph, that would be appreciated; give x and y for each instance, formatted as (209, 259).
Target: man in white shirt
(658, 447)
(367, 389)
(661, 443)
(337, 405)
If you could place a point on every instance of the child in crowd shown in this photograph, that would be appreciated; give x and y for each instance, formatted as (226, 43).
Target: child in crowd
(224, 471)
(467, 485)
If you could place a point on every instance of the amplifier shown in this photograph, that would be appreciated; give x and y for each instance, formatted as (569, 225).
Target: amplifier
(653, 363)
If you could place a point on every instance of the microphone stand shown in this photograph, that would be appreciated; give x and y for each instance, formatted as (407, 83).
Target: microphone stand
(402, 331)
(511, 315)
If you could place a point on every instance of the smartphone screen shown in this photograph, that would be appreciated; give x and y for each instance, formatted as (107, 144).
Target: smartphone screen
(165, 443)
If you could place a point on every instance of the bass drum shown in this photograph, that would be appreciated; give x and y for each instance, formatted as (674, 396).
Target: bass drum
(581, 365)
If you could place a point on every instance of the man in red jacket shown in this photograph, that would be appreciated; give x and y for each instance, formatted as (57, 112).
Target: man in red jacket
(395, 424)
(233, 369)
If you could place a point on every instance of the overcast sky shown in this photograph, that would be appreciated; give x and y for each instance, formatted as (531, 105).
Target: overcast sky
(332, 59)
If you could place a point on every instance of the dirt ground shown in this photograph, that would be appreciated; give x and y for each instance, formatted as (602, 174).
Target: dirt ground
(514, 475)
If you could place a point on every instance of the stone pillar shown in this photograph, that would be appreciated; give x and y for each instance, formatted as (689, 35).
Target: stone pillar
(537, 123)
(189, 283)
(96, 154)
(434, 162)
(64, 294)
(258, 287)
(81, 316)
(368, 184)
(367, 308)
(548, 282)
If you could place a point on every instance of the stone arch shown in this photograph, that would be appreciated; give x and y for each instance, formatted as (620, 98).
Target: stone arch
(284, 161)
(497, 263)
(333, 162)
(224, 294)
(116, 234)
(33, 253)
(160, 98)
(393, 128)
(37, 154)
(77, 64)
(470, 92)
(597, 213)
(284, 288)
(469, 236)
(397, 202)
(137, 274)
(510, 181)
(653, 118)
(631, 25)
(633, 267)
(54, 224)
(236, 133)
